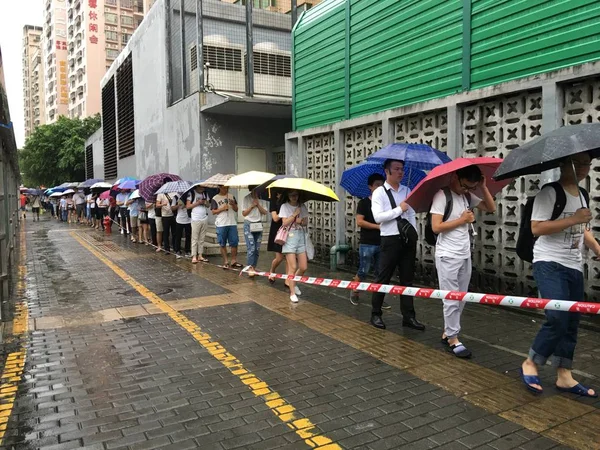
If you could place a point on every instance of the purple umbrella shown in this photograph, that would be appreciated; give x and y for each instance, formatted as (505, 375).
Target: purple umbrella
(150, 185)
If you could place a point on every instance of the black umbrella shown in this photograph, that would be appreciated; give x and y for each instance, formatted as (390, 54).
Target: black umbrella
(547, 151)
(262, 190)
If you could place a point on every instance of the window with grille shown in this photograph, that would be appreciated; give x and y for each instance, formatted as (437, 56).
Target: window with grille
(126, 20)
(125, 117)
(125, 38)
(223, 58)
(271, 64)
(111, 36)
(89, 162)
(110, 18)
(109, 129)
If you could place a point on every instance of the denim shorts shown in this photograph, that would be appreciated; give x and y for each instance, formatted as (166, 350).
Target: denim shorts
(296, 242)
(228, 234)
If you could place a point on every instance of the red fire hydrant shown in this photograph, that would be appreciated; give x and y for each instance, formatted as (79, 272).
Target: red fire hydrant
(107, 225)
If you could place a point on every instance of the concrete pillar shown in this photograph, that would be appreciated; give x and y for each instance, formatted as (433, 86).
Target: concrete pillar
(552, 112)
(388, 134)
(454, 132)
(340, 222)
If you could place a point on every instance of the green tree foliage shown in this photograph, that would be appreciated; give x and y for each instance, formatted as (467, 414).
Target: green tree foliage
(55, 153)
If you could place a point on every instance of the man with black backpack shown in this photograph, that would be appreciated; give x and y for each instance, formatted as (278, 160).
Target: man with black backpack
(559, 219)
(398, 230)
(451, 217)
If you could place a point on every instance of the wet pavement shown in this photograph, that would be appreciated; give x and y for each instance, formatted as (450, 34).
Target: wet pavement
(115, 346)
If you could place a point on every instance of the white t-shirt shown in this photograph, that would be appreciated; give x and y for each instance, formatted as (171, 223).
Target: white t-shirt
(122, 198)
(255, 215)
(564, 247)
(91, 204)
(78, 198)
(151, 212)
(225, 218)
(455, 243)
(288, 210)
(199, 212)
(182, 213)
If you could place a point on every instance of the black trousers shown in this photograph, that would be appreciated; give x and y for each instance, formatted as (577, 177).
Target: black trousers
(396, 255)
(125, 221)
(168, 224)
(153, 231)
(180, 230)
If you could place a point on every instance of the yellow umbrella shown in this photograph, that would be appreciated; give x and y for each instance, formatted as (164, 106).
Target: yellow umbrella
(252, 178)
(310, 189)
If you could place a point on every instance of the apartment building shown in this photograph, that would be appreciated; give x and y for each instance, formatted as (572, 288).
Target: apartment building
(54, 49)
(97, 32)
(280, 6)
(33, 78)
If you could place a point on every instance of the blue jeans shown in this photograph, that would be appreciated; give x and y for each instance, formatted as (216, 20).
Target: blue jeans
(64, 214)
(227, 234)
(252, 244)
(558, 336)
(367, 254)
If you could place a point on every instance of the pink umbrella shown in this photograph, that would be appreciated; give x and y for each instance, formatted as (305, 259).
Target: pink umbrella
(104, 195)
(439, 177)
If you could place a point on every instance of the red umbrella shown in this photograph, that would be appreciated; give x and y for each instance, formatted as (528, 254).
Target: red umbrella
(439, 177)
(105, 195)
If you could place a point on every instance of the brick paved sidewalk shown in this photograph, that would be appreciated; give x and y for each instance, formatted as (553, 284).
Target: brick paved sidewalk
(130, 349)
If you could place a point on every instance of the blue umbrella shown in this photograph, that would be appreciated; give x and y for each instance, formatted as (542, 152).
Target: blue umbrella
(128, 184)
(122, 180)
(88, 183)
(355, 179)
(415, 156)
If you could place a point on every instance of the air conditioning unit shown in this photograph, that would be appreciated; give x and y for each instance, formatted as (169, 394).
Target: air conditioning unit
(272, 70)
(224, 65)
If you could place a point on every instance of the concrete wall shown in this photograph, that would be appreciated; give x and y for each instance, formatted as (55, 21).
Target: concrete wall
(491, 121)
(97, 143)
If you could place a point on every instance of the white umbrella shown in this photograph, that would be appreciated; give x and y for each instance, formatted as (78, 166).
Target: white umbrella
(174, 186)
(68, 191)
(57, 194)
(135, 194)
(101, 185)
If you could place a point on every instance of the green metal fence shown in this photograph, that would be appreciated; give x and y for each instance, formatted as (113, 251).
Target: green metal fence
(355, 57)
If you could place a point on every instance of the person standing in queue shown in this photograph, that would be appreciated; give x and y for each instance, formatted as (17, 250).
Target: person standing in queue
(398, 230)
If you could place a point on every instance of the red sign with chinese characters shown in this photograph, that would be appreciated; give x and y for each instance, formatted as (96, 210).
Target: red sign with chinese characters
(93, 4)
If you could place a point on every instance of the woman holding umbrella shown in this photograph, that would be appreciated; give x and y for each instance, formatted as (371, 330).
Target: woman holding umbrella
(253, 210)
(294, 216)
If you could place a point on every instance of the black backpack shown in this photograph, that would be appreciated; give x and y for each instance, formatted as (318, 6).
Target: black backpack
(430, 236)
(526, 239)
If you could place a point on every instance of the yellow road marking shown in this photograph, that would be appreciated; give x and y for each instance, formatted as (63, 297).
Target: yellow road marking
(15, 362)
(278, 405)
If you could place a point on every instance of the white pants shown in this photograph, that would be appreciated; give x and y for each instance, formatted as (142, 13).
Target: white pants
(198, 234)
(453, 275)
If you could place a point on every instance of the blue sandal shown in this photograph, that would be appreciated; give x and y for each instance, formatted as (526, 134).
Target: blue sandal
(578, 389)
(528, 380)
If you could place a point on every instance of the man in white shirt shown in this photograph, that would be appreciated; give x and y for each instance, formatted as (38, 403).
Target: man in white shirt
(224, 207)
(80, 203)
(453, 245)
(398, 250)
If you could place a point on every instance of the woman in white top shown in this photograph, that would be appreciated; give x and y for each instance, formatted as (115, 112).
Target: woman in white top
(253, 210)
(183, 225)
(196, 203)
(294, 216)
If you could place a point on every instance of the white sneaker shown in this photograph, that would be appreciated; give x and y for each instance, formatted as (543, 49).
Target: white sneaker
(297, 290)
(294, 298)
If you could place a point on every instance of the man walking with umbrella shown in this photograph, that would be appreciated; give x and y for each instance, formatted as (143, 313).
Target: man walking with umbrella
(398, 242)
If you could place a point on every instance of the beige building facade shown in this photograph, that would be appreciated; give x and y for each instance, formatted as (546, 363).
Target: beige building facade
(97, 32)
(33, 79)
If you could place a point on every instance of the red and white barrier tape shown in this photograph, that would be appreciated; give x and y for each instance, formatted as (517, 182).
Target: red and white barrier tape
(471, 297)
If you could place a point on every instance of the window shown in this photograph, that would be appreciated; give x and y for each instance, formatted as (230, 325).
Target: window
(109, 129)
(112, 54)
(125, 116)
(111, 36)
(111, 2)
(127, 21)
(89, 162)
(111, 18)
(270, 64)
(223, 58)
(125, 38)
(127, 4)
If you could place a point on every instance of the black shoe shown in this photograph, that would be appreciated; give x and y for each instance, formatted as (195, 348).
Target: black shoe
(413, 323)
(377, 322)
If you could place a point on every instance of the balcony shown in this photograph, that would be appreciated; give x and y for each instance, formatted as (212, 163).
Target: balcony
(51, 86)
(70, 13)
(71, 62)
(80, 91)
(52, 112)
(51, 99)
(78, 21)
